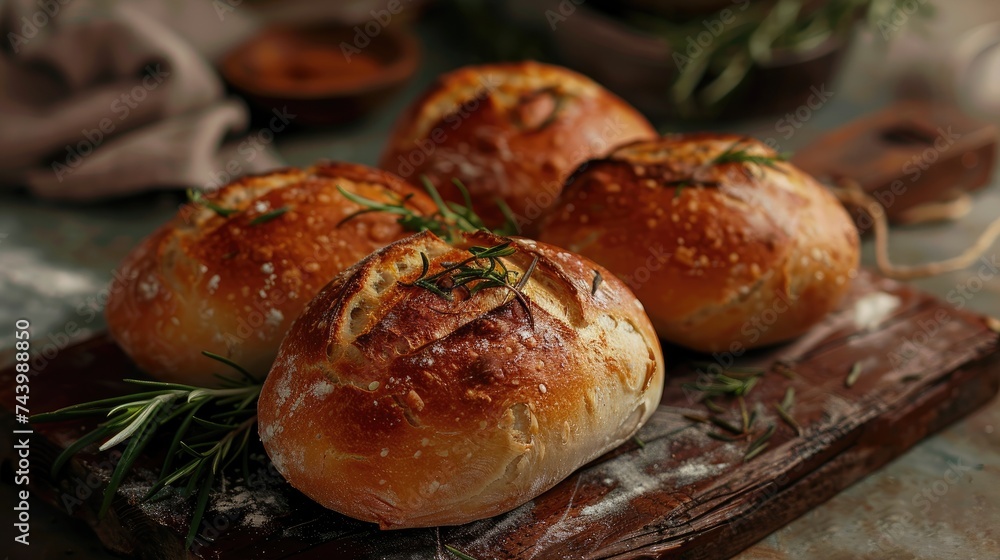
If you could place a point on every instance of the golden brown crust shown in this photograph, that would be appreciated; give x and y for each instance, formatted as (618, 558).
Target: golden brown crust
(724, 256)
(232, 286)
(391, 404)
(510, 130)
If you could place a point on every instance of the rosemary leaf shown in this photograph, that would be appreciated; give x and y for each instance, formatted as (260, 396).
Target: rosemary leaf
(224, 360)
(754, 452)
(852, 377)
(789, 401)
(696, 418)
(199, 511)
(710, 404)
(721, 437)
(744, 415)
(197, 197)
(759, 444)
(639, 442)
(725, 425)
(783, 413)
(77, 446)
(732, 155)
(458, 553)
(596, 282)
(267, 217)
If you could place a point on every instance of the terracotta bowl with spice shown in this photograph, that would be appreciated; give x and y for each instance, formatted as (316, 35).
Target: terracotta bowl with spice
(309, 70)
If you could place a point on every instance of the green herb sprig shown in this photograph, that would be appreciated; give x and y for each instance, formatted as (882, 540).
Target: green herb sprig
(197, 197)
(733, 384)
(732, 155)
(449, 222)
(483, 270)
(211, 429)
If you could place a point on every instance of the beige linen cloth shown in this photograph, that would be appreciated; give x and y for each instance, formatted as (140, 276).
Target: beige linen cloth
(101, 103)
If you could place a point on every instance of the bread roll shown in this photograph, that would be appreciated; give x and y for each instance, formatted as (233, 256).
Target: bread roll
(727, 247)
(233, 284)
(392, 404)
(512, 131)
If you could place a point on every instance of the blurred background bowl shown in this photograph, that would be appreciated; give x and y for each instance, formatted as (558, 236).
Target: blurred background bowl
(325, 74)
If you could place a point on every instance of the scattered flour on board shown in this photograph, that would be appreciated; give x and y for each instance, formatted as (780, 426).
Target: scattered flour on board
(871, 310)
(633, 481)
(250, 507)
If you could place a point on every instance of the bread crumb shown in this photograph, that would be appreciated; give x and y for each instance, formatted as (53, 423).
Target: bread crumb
(385, 451)
(267, 268)
(542, 388)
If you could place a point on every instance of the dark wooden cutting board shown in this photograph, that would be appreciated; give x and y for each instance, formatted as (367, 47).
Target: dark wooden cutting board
(923, 365)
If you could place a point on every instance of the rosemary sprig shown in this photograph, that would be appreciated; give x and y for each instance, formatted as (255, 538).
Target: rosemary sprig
(197, 197)
(484, 269)
(449, 222)
(211, 429)
(726, 385)
(267, 217)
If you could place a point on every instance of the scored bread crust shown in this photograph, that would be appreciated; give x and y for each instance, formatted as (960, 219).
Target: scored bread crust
(392, 404)
(724, 256)
(228, 285)
(512, 131)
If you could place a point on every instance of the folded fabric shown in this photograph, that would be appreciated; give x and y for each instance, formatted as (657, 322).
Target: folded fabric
(110, 102)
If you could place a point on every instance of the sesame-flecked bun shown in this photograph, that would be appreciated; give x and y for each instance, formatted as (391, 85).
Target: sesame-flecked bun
(230, 280)
(726, 246)
(392, 403)
(512, 131)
